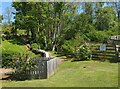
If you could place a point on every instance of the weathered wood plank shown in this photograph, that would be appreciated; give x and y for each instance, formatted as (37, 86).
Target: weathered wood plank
(45, 68)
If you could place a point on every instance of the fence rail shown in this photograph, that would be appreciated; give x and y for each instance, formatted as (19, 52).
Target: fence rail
(109, 53)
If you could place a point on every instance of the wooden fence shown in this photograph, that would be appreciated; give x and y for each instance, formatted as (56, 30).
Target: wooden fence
(109, 53)
(112, 49)
(46, 67)
(116, 42)
(117, 47)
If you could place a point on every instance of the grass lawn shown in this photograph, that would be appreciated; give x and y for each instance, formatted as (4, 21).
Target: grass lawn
(76, 74)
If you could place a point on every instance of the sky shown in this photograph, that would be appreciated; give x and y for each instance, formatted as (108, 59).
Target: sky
(4, 5)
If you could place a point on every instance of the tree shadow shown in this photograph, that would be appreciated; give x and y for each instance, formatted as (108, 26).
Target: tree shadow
(23, 77)
(113, 60)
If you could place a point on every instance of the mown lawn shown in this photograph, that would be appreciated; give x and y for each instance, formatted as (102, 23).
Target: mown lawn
(76, 74)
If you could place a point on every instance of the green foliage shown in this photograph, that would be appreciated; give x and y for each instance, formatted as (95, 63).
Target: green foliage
(83, 53)
(23, 64)
(11, 52)
(97, 36)
(1, 18)
(106, 18)
(81, 23)
(67, 47)
(88, 9)
(54, 26)
(70, 46)
(112, 32)
(21, 32)
(34, 46)
(17, 40)
(6, 30)
(31, 54)
(43, 21)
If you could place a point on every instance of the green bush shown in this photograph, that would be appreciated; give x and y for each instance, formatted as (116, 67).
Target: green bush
(11, 52)
(7, 31)
(8, 56)
(97, 36)
(34, 46)
(68, 48)
(83, 53)
(112, 32)
(22, 65)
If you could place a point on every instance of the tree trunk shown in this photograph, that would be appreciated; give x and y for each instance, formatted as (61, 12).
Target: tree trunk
(53, 49)
(54, 34)
(45, 40)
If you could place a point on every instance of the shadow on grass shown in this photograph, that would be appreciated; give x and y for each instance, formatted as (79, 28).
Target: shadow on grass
(113, 60)
(22, 77)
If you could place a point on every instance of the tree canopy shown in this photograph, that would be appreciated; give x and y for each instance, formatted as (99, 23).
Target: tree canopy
(53, 25)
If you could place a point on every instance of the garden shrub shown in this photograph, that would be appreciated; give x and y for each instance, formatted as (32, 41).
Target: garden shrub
(83, 53)
(6, 31)
(8, 56)
(11, 52)
(23, 64)
(70, 46)
(34, 46)
(67, 47)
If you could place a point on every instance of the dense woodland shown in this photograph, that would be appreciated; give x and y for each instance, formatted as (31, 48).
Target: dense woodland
(60, 26)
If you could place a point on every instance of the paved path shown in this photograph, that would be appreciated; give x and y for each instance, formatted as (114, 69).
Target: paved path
(4, 71)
